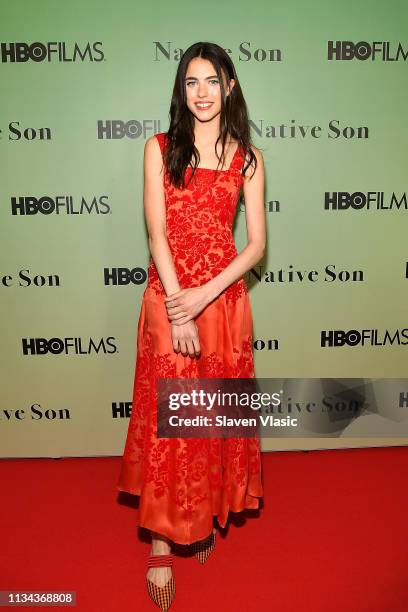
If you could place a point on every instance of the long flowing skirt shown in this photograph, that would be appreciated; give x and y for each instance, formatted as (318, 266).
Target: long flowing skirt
(184, 482)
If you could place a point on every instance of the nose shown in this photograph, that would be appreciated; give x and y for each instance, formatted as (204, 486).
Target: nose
(202, 89)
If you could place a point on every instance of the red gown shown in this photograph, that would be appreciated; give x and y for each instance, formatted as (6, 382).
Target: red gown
(183, 483)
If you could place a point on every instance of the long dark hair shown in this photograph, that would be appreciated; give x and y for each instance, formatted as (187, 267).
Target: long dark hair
(180, 148)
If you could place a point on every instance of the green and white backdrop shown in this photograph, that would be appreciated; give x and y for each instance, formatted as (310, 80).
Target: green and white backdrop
(84, 84)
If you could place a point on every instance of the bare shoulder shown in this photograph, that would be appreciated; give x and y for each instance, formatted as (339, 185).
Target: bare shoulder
(152, 154)
(257, 152)
(251, 171)
(152, 144)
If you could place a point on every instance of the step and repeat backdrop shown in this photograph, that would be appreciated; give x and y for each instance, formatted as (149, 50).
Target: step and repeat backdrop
(83, 86)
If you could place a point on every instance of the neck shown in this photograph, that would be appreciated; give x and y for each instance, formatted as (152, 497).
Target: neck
(207, 132)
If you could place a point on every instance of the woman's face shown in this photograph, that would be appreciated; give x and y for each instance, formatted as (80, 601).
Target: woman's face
(203, 90)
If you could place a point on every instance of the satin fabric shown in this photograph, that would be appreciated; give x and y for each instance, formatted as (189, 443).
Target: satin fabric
(184, 483)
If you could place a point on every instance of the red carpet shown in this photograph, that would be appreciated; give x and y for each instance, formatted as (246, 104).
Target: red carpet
(332, 536)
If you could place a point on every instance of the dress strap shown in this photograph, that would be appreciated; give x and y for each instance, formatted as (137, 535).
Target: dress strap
(237, 159)
(161, 137)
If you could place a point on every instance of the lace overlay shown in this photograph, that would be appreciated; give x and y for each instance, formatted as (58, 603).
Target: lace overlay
(183, 483)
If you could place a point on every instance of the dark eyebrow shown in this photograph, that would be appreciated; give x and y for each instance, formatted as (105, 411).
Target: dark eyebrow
(213, 76)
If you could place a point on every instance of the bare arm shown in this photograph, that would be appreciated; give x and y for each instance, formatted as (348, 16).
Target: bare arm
(184, 337)
(155, 214)
(255, 220)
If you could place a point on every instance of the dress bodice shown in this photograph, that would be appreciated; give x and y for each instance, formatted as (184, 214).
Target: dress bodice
(199, 221)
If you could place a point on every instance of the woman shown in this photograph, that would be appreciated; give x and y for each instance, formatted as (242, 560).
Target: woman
(195, 319)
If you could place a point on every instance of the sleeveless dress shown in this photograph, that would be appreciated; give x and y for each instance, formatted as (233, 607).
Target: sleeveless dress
(183, 483)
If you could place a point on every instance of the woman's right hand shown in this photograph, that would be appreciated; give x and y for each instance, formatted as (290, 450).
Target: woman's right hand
(185, 338)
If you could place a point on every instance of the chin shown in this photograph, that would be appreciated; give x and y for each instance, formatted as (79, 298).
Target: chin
(202, 118)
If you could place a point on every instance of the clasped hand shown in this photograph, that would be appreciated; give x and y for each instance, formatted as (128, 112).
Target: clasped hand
(186, 304)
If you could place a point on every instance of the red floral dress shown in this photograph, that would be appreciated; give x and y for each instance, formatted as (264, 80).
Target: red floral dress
(184, 482)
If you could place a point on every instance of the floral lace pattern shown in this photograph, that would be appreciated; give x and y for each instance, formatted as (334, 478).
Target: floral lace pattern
(199, 226)
(184, 482)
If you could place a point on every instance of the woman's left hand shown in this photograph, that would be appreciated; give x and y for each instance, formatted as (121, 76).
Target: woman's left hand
(186, 304)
